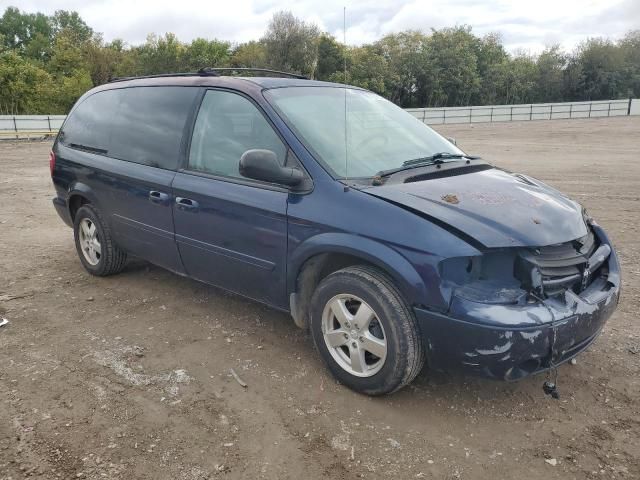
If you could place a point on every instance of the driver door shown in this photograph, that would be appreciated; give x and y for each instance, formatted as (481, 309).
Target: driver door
(231, 231)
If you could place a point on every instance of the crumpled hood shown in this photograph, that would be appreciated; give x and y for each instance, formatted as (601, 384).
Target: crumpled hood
(495, 207)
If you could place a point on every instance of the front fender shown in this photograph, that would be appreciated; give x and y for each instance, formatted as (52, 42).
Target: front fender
(405, 276)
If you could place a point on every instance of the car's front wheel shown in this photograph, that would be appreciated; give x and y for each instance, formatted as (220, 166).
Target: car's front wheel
(365, 331)
(98, 252)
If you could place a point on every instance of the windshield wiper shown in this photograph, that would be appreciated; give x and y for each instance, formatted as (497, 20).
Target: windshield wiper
(436, 156)
(435, 159)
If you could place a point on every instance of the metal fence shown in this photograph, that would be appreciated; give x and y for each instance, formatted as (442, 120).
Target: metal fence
(526, 112)
(14, 126)
(20, 126)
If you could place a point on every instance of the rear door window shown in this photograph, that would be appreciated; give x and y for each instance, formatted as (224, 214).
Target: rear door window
(150, 123)
(228, 125)
(138, 124)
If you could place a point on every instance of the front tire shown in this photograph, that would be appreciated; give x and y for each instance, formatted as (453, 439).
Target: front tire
(98, 252)
(365, 331)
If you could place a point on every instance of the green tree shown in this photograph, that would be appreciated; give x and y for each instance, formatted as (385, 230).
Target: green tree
(252, 54)
(406, 56)
(47, 62)
(69, 70)
(203, 53)
(630, 49)
(104, 61)
(66, 55)
(73, 24)
(452, 56)
(291, 44)
(24, 86)
(491, 58)
(28, 33)
(158, 55)
(519, 79)
(331, 57)
(68, 89)
(551, 65)
(366, 68)
(601, 64)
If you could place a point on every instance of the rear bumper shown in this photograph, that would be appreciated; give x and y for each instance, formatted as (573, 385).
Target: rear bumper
(63, 210)
(510, 342)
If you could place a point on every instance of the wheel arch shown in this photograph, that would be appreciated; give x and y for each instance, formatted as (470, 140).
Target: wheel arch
(324, 254)
(79, 195)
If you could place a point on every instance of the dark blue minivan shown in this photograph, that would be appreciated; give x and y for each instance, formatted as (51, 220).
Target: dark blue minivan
(393, 246)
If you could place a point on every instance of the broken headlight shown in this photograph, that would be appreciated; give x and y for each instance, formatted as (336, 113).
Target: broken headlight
(487, 278)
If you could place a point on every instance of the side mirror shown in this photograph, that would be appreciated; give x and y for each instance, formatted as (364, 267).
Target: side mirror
(452, 140)
(263, 165)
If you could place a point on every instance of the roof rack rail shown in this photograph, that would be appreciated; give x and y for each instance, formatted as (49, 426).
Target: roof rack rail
(159, 75)
(213, 72)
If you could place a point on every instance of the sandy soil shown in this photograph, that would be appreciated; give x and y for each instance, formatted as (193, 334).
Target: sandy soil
(128, 377)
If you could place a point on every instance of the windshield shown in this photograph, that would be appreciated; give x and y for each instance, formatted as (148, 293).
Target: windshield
(379, 135)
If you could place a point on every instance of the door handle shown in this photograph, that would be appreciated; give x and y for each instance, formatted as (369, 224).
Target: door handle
(158, 197)
(186, 204)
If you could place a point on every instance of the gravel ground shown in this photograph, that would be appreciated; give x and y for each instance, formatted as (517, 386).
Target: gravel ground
(128, 377)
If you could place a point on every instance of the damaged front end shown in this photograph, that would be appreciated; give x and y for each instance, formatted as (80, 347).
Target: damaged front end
(517, 311)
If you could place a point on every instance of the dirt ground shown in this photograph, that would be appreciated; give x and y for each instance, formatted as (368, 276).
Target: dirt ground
(128, 377)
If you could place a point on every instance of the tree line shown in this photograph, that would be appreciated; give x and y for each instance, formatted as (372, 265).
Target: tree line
(47, 62)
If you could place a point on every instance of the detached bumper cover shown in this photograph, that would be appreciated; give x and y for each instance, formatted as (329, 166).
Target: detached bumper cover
(512, 341)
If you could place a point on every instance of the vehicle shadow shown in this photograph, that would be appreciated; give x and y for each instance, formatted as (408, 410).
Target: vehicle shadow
(430, 386)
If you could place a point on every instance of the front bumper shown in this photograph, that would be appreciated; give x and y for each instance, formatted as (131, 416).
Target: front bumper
(510, 342)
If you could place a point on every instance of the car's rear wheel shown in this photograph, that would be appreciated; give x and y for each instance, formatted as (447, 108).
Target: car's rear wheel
(97, 251)
(365, 331)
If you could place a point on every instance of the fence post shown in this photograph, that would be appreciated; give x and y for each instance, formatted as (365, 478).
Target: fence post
(551, 112)
(471, 111)
(444, 115)
(491, 118)
(531, 111)
(49, 122)
(571, 111)
(629, 106)
(609, 110)
(590, 104)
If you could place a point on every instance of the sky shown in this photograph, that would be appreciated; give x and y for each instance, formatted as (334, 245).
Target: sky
(528, 25)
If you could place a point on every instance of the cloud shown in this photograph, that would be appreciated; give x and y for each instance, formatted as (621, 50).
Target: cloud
(522, 23)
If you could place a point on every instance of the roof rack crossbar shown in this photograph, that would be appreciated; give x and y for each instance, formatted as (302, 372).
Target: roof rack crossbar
(213, 72)
(209, 70)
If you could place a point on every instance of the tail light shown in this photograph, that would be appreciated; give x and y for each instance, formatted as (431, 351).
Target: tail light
(52, 162)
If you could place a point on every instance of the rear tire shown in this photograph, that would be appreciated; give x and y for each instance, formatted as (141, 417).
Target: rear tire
(98, 252)
(365, 331)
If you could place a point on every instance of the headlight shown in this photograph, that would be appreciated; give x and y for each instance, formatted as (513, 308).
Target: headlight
(487, 278)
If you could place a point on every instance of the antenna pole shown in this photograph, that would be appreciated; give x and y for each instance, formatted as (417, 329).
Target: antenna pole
(346, 144)
(344, 41)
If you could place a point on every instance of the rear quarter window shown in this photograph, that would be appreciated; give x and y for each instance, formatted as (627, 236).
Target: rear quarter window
(88, 126)
(138, 124)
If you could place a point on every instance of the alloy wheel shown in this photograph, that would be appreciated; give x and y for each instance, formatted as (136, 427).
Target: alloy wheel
(354, 335)
(90, 241)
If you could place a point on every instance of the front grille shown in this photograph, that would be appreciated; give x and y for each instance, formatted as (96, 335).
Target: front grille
(549, 271)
